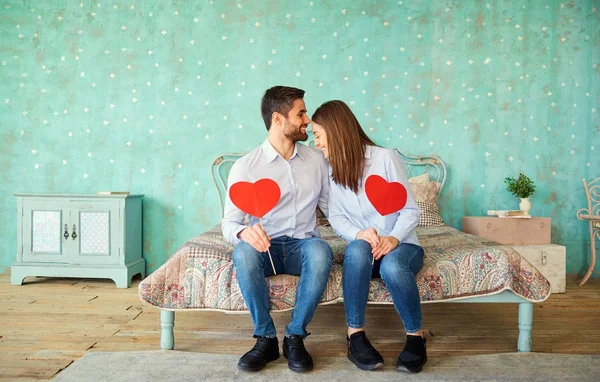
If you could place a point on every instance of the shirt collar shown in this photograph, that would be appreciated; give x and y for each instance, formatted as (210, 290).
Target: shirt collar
(271, 154)
(296, 151)
(368, 151)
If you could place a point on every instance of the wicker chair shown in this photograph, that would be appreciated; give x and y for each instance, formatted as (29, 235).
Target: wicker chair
(591, 214)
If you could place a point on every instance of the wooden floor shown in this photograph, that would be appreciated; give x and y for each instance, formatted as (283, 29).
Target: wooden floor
(46, 324)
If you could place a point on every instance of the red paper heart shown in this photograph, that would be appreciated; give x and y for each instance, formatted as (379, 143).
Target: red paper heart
(386, 197)
(255, 199)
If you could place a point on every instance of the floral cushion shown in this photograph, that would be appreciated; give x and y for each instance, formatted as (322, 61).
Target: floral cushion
(425, 192)
(426, 197)
(200, 274)
(423, 178)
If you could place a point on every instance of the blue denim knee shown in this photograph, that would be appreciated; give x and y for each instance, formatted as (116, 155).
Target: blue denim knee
(356, 276)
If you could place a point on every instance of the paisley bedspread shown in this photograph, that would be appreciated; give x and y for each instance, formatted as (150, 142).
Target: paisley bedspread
(200, 275)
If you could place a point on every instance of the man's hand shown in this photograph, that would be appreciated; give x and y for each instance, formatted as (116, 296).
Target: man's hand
(256, 237)
(386, 244)
(369, 235)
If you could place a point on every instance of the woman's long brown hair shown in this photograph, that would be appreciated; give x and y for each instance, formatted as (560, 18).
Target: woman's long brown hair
(346, 142)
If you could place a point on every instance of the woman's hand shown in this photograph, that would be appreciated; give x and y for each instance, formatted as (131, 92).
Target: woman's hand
(386, 244)
(369, 235)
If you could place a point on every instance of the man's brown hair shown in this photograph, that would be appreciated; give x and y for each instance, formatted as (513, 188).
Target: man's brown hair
(346, 142)
(278, 99)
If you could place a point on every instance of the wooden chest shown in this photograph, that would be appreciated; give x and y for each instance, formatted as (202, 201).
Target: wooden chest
(550, 260)
(509, 231)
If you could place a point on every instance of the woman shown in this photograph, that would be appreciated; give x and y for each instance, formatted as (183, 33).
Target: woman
(392, 244)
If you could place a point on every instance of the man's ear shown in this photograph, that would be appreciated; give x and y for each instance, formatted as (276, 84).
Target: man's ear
(276, 118)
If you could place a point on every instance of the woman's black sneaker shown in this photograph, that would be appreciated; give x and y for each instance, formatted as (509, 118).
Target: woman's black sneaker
(362, 353)
(414, 355)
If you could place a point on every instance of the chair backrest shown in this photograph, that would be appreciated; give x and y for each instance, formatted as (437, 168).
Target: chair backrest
(414, 165)
(592, 192)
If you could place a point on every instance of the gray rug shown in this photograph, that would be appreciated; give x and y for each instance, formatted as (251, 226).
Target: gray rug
(185, 366)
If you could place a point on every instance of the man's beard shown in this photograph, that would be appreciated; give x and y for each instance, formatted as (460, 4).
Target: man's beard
(295, 133)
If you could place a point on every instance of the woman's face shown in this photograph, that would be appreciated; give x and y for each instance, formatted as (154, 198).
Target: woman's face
(320, 139)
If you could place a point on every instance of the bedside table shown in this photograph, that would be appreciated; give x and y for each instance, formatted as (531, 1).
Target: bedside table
(91, 236)
(530, 238)
(535, 230)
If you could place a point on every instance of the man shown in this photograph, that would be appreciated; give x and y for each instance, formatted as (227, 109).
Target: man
(290, 231)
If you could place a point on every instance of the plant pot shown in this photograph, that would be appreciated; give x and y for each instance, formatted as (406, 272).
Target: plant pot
(525, 205)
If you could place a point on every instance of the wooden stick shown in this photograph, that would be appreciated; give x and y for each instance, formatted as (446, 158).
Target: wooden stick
(378, 224)
(268, 251)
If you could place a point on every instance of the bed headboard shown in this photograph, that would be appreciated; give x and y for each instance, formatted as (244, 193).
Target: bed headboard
(415, 165)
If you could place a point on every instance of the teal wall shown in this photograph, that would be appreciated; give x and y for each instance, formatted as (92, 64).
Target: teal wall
(143, 95)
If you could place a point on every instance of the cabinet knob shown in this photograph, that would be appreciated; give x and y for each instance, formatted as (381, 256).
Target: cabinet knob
(74, 234)
(489, 225)
(544, 257)
(66, 234)
(542, 225)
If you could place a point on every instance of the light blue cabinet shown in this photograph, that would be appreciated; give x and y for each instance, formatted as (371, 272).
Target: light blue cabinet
(90, 236)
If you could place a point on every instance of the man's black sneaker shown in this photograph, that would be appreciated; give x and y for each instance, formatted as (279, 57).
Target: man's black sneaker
(264, 350)
(362, 353)
(294, 351)
(414, 355)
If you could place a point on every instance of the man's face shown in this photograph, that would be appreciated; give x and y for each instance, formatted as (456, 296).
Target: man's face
(294, 126)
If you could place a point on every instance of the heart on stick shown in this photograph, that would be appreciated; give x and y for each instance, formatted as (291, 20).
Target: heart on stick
(255, 199)
(386, 197)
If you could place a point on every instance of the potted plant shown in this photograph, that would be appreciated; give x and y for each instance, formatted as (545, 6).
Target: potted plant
(522, 188)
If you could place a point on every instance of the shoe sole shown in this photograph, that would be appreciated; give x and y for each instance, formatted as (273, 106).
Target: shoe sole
(405, 369)
(364, 366)
(257, 368)
(297, 369)
(412, 370)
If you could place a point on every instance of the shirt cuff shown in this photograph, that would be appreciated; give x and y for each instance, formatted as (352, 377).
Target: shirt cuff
(235, 239)
(399, 234)
(352, 233)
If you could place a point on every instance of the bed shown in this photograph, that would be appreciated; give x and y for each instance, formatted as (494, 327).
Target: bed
(458, 267)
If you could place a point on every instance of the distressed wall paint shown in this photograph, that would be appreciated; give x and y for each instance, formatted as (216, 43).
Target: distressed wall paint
(143, 95)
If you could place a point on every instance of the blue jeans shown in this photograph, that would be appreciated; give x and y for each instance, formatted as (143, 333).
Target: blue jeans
(397, 269)
(310, 259)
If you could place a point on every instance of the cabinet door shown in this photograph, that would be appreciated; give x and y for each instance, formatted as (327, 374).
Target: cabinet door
(43, 228)
(550, 260)
(97, 238)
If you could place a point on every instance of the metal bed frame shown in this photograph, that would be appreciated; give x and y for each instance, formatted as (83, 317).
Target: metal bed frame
(415, 165)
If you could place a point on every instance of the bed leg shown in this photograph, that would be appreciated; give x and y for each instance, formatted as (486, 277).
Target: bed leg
(525, 324)
(167, 321)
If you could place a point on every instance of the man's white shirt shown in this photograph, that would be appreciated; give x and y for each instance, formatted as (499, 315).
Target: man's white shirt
(303, 181)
